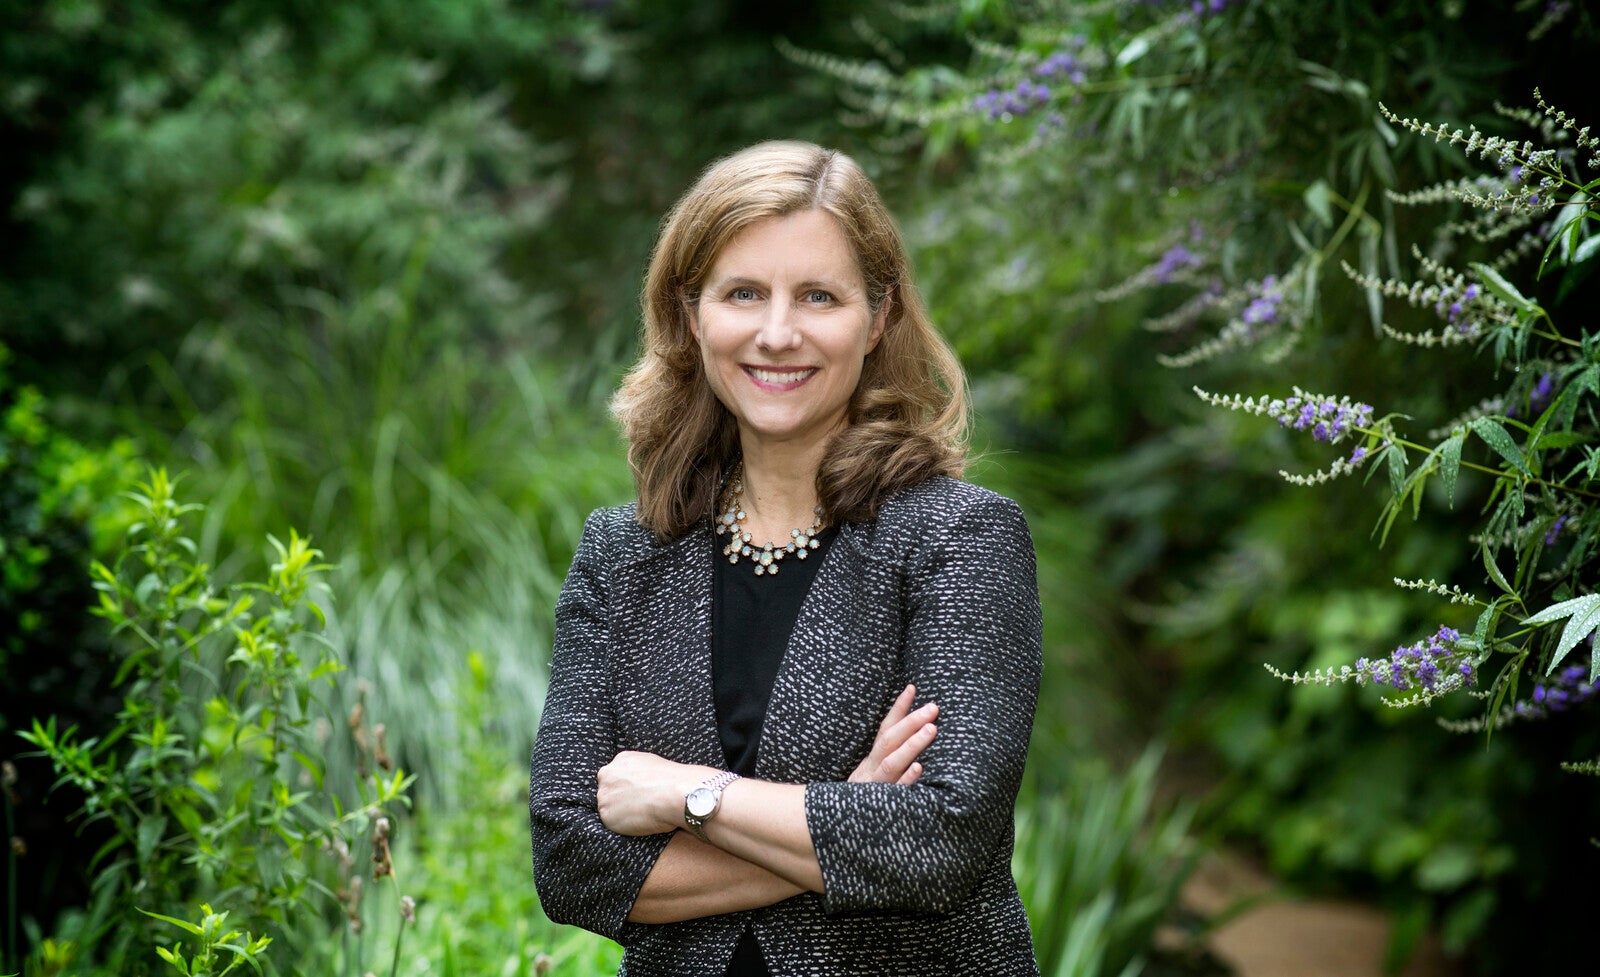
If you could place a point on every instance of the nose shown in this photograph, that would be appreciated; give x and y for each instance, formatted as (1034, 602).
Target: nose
(779, 329)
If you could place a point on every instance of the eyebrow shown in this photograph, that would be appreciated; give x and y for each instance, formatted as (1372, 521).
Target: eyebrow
(739, 281)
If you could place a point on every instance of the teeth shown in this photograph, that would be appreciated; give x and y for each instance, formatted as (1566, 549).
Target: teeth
(783, 376)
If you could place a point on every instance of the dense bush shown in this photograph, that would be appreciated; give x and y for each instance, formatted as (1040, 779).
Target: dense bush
(216, 162)
(58, 511)
(210, 781)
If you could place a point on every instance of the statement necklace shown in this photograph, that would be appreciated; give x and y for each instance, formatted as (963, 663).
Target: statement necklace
(766, 558)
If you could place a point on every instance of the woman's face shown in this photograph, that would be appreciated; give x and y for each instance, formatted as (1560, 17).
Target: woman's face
(784, 326)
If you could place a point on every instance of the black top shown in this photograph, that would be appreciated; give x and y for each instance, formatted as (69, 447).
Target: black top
(751, 620)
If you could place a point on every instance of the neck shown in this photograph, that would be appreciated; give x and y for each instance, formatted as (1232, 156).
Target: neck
(780, 486)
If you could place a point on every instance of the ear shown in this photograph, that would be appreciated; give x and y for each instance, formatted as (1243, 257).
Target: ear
(691, 312)
(880, 322)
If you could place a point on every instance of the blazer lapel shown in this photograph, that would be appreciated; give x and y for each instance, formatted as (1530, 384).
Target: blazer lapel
(663, 653)
(843, 658)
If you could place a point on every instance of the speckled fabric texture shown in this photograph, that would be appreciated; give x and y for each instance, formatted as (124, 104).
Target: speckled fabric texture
(939, 590)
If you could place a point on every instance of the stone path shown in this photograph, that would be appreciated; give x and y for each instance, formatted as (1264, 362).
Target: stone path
(1281, 935)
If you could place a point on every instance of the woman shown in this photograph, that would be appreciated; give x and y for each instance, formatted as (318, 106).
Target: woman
(712, 785)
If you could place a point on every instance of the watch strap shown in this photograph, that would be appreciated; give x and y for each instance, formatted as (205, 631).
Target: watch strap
(716, 785)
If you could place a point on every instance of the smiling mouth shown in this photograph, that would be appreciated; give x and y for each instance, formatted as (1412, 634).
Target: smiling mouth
(780, 379)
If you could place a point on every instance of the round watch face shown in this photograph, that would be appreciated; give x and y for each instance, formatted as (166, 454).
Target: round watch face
(700, 802)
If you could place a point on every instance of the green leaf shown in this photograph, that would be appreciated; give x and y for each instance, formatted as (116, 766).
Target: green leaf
(1136, 49)
(1490, 565)
(186, 815)
(325, 667)
(151, 830)
(1504, 687)
(1318, 201)
(1450, 466)
(242, 953)
(1447, 867)
(1397, 470)
(182, 924)
(312, 767)
(1560, 439)
(1567, 608)
(1578, 627)
(1480, 630)
(1586, 250)
(1300, 239)
(1563, 239)
(174, 956)
(1503, 289)
(1499, 439)
(1587, 381)
(1369, 267)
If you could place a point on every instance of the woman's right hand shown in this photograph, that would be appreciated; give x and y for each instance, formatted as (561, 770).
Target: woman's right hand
(902, 736)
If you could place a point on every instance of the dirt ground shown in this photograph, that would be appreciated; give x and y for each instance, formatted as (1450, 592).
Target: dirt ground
(1286, 936)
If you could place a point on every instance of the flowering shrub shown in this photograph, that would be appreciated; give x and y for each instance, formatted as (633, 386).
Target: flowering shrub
(1541, 490)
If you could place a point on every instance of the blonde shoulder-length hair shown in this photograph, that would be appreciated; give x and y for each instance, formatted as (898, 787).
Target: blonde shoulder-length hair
(908, 416)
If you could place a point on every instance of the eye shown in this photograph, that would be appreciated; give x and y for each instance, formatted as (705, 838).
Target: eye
(818, 296)
(743, 293)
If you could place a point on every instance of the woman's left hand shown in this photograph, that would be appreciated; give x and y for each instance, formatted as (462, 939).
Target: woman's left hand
(642, 794)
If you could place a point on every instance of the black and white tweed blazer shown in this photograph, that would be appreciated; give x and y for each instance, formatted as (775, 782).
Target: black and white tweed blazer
(939, 590)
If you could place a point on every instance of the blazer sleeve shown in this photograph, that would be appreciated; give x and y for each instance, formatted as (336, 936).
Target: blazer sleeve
(586, 874)
(972, 644)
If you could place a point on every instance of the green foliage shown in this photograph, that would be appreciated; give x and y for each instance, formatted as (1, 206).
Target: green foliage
(451, 490)
(54, 513)
(1099, 860)
(1098, 865)
(211, 780)
(1539, 489)
(1536, 516)
(58, 510)
(216, 162)
(240, 948)
(477, 912)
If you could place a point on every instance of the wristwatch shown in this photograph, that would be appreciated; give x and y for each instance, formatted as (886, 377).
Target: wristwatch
(700, 805)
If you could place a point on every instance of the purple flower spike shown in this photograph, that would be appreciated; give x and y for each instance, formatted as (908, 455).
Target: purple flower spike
(1555, 530)
(1568, 688)
(1174, 260)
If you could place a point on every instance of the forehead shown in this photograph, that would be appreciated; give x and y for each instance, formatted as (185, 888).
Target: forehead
(802, 246)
